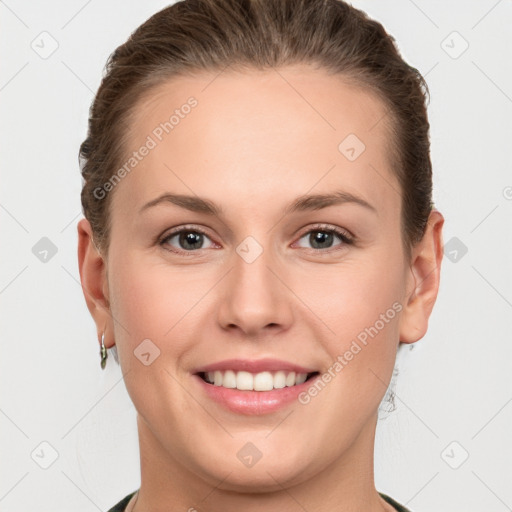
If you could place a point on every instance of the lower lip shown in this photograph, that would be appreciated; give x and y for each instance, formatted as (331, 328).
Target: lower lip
(253, 402)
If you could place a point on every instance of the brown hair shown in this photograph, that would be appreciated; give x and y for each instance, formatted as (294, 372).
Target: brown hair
(209, 35)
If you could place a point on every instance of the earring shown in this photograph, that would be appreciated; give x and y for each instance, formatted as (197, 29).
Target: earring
(103, 353)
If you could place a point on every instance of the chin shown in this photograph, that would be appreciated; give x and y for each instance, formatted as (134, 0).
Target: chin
(250, 471)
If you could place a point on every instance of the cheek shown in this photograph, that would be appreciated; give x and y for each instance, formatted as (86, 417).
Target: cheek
(152, 332)
(150, 302)
(362, 309)
(354, 295)
(358, 308)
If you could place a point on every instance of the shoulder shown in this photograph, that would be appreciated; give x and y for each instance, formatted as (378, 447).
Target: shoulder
(119, 507)
(391, 501)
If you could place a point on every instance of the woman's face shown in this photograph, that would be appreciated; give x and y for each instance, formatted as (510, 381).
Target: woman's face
(258, 276)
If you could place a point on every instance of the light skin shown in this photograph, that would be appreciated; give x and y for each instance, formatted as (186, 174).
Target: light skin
(252, 146)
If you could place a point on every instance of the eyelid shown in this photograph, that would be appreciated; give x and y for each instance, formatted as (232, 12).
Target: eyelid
(176, 231)
(346, 236)
(328, 227)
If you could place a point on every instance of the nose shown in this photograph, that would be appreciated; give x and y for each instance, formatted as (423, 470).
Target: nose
(255, 299)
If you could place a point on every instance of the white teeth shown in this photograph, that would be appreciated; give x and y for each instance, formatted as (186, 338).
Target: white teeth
(244, 380)
(301, 377)
(290, 379)
(263, 381)
(229, 379)
(279, 380)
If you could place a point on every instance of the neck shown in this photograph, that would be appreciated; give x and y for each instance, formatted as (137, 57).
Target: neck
(344, 485)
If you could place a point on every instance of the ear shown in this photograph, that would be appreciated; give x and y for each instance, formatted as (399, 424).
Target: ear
(423, 281)
(93, 276)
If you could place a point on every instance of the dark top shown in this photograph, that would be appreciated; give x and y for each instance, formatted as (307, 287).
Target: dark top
(122, 504)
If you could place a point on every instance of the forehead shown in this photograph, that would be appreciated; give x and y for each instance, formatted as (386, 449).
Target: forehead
(296, 127)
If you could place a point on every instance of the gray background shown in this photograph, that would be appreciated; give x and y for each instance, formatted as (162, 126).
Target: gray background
(446, 447)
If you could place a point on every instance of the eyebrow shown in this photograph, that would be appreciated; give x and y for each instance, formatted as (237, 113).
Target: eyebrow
(302, 203)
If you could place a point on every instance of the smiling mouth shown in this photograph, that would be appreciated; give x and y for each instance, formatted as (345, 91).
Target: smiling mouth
(262, 381)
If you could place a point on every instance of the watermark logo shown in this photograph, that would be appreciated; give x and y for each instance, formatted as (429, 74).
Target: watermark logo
(355, 348)
(45, 45)
(454, 45)
(249, 249)
(455, 455)
(455, 249)
(249, 454)
(44, 250)
(44, 455)
(151, 142)
(351, 147)
(146, 352)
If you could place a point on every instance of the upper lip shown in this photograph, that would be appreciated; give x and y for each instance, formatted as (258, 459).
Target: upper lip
(254, 366)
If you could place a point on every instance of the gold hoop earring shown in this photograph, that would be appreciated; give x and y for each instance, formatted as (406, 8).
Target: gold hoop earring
(103, 352)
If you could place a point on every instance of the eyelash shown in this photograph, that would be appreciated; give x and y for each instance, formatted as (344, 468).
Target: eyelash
(345, 237)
